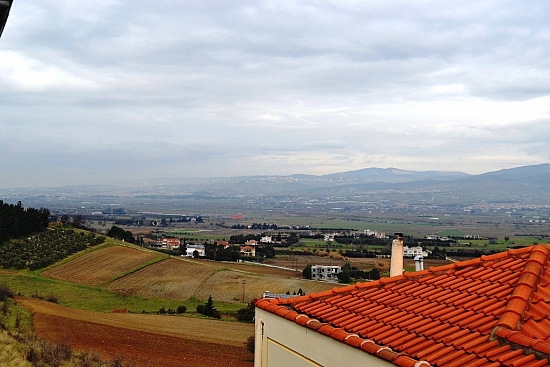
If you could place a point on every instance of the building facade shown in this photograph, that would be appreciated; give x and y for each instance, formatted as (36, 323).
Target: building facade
(325, 272)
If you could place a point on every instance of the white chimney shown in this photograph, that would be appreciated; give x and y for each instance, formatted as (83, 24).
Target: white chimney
(396, 265)
(418, 263)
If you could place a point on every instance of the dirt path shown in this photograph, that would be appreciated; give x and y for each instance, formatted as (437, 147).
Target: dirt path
(144, 340)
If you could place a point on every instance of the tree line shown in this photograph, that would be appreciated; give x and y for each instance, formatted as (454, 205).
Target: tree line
(16, 221)
(45, 248)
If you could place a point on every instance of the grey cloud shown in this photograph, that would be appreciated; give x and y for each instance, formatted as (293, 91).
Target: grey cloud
(301, 85)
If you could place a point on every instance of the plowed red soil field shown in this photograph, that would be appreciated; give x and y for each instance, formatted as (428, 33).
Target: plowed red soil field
(102, 265)
(144, 340)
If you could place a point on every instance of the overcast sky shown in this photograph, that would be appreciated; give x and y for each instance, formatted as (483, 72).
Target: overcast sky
(103, 90)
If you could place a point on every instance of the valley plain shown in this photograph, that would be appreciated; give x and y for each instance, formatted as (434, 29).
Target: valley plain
(109, 298)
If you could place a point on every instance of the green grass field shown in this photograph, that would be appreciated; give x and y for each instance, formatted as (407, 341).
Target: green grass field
(90, 298)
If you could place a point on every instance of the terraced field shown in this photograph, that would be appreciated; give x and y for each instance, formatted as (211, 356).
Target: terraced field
(101, 266)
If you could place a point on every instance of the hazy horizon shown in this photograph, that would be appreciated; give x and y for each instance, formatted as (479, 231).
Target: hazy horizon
(143, 182)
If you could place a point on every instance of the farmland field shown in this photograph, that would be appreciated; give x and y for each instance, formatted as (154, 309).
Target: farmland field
(185, 278)
(144, 340)
(101, 266)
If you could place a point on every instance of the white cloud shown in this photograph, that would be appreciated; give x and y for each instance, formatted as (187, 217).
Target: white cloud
(28, 75)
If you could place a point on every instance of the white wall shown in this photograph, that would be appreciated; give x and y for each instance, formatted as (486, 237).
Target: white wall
(284, 343)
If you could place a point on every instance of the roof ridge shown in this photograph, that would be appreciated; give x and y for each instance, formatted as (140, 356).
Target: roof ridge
(524, 288)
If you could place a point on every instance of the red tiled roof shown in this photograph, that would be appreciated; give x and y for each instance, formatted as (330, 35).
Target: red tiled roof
(491, 311)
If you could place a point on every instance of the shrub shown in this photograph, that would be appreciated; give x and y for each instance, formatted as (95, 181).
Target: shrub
(33, 356)
(51, 298)
(5, 292)
(249, 344)
(246, 314)
(306, 273)
(5, 309)
(64, 351)
(181, 309)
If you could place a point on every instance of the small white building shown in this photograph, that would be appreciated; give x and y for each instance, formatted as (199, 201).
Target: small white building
(329, 237)
(325, 272)
(414, 251)
(375, 234)
(266, 239)
(190, 250)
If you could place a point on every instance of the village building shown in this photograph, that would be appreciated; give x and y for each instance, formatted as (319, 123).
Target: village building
(190, 250)
(414, 251)
(485, 312)
(168, 243)
(375, 234)
(329, 237)
(224, 244)
(248, 251)
(325, 272)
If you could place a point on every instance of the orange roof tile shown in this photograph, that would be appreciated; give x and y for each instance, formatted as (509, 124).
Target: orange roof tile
(491, 311)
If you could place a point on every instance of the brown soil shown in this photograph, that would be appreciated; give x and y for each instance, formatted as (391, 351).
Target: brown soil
(181, 278)
(101, 265)
(144, 340)
(299, 262)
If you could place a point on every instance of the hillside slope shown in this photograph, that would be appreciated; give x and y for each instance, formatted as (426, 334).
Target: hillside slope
(185, 278)
(102, 265)
(132, 271)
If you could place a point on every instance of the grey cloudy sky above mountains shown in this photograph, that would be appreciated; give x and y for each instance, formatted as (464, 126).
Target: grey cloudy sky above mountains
(99, 91)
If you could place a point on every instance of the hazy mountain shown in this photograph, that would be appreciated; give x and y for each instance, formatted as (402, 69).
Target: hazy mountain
(392, 175)
(525, 184)
(528, 184)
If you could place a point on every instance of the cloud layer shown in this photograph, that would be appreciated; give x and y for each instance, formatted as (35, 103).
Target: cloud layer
(100, 91)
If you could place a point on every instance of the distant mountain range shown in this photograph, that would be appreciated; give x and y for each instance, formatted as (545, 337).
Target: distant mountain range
(392, 175)
(528, 185)
(521, 184)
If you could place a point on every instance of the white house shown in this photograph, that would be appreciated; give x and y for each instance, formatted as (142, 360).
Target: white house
(266, 239)
(329, 237)
(375, 234)
(325, 272)
(414, 251)
(190, 250)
